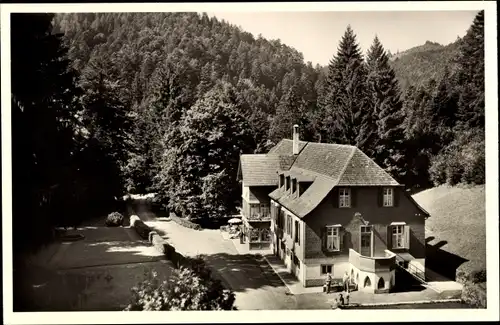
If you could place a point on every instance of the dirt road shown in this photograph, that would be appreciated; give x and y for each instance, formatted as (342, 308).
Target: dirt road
(256, 285)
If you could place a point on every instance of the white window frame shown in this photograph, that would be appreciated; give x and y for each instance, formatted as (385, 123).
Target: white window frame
(398, 232)
(388, 197)
(325, 267)
(366, 229)
(289, 224)
(333, 238)
(344, 197)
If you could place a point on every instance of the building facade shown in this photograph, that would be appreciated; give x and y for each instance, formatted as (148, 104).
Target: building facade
(333, 210)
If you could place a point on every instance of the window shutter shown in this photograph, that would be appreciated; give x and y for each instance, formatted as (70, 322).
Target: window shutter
(380, 196)
(323, 237)
(407, 237)
(298, 232)
(396, 196)
(353, 193)
(342, 238)
(389, 237)
(335, 197)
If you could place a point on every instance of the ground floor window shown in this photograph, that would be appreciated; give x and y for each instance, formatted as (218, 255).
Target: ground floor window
(326, 268)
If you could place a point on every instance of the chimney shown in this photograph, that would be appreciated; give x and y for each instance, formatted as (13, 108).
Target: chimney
(295, 139)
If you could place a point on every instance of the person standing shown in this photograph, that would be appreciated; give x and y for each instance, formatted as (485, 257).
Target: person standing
(341, 299)
(328, 282)
(346, 281)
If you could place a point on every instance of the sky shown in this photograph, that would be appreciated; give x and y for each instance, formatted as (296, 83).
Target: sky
(317, 34)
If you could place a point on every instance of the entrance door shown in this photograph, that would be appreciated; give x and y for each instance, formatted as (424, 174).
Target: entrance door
(366, 241)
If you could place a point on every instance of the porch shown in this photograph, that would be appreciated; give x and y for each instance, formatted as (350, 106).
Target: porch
(373, 274)
(256, 234)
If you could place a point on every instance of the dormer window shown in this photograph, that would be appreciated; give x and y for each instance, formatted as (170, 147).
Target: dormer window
(282, 180)
(294, 185)
(287, 187)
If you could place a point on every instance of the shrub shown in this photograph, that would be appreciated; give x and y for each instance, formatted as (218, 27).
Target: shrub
(114, 219)
(184, 222)
(477, 276)
(474, 294)
(185, 289)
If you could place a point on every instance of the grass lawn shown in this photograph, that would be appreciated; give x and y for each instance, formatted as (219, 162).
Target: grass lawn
(457, 225)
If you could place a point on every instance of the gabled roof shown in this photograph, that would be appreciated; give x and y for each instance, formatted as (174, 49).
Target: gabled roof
(284, 147)
(332, 165)
(262, 169)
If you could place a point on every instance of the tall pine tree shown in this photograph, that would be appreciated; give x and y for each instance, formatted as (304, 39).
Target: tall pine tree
(348, 119)
(291, 110)
(471, 76)
(386, 106)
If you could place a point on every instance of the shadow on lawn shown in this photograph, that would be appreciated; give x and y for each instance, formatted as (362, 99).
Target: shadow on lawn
(441, 261)
(103, 268)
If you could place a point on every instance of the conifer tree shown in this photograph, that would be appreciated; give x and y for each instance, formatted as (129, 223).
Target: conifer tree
(347, 113)
(290, 111)
(471, 76)
(386, 107)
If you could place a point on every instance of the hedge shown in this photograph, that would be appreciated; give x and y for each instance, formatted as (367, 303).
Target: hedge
(184, 222)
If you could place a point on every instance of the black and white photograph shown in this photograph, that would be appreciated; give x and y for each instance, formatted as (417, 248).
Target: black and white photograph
(260, 162)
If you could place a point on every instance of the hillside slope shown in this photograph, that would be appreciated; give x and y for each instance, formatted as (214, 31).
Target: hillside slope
(418, 65)
(456, 230)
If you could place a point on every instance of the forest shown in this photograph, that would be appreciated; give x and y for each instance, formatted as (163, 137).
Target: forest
(105, 104)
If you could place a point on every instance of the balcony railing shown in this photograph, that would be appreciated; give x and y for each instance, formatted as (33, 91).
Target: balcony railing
(257, 216)
(372, 264)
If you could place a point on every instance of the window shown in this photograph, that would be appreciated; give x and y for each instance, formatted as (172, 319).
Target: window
(388, 200)
(287, 182)
(398, 236)
(333, 238)
(294, 185)
(264, 210)
(289, 224)
(366, 229)
(327, 268)
(344, 198)
(282, 180)
(254, 210)
(297, 232)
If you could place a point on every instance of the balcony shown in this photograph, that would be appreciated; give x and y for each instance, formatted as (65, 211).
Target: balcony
(372, 264)
(258, 216)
